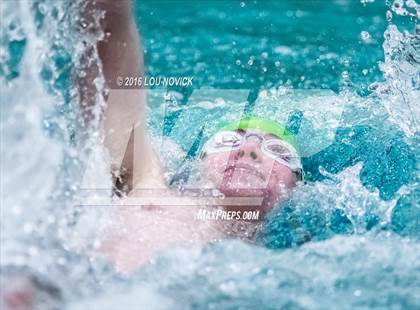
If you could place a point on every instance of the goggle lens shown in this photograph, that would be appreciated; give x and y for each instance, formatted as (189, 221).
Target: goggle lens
(277, 149)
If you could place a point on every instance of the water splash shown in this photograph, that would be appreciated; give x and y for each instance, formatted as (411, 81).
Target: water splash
(400, 91)
(45, 139)
(343, 272)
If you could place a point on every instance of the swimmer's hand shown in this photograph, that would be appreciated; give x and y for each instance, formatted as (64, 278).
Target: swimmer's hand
(20, 289)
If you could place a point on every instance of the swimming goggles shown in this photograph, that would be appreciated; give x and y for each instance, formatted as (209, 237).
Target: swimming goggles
(273, 147)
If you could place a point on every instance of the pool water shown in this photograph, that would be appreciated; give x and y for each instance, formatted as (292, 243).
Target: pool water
(348, 238)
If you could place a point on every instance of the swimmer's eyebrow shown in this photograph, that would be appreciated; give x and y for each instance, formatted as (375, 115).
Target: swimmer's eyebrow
(269, 135)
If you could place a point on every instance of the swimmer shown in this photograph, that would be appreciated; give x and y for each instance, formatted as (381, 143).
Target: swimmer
(243, 159)
(252, 157)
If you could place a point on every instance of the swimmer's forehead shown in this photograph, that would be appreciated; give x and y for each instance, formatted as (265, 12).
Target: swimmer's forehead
(262, 133)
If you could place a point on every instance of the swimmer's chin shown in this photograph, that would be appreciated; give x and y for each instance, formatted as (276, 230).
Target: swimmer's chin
(247, 199)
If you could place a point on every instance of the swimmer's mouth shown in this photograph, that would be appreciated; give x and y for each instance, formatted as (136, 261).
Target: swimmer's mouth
(250, 169)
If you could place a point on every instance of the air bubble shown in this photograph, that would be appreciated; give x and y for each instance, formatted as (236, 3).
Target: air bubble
(345, 74)
(365, 36)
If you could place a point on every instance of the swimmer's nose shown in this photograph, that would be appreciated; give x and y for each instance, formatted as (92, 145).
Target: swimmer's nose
(250, 149)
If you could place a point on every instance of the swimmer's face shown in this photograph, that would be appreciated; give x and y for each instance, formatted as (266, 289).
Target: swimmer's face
(246, 171)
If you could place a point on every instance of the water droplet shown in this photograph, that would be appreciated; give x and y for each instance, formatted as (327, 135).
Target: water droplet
(345, 61)
(33, 251)
(96, 244)
(61, 261)
(365, 36)
(389, 16)
(27, 228)
(365, 71)
(16, 210)
(242, 4)
(299, 14)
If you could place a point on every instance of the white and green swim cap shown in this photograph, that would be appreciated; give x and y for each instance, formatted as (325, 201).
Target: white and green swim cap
(262, 124)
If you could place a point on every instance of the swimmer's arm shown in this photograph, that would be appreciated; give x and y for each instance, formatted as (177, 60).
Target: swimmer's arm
(120, 51)
(124, 121)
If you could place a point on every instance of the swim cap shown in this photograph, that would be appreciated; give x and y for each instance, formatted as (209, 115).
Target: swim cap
(265, 125)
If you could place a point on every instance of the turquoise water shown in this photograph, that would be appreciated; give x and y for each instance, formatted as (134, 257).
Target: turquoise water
(261, 44)
(348, 238)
